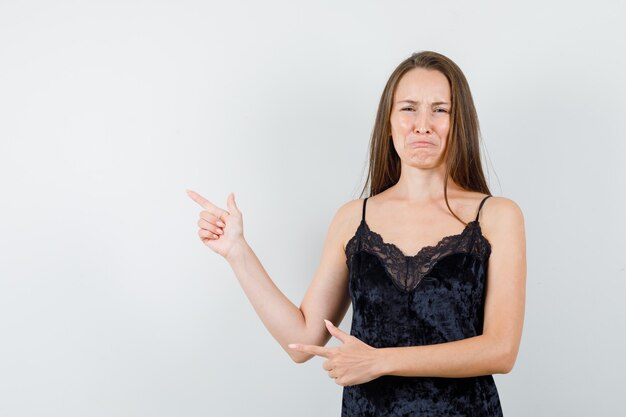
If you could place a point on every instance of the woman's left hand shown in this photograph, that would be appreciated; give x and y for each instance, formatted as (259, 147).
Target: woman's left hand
(355, 362)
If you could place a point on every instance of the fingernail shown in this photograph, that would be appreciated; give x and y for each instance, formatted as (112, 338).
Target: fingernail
(329, 322)
(292, 345)
(221, 224)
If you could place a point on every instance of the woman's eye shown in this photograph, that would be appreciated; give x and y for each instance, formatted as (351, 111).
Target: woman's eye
(439, 110)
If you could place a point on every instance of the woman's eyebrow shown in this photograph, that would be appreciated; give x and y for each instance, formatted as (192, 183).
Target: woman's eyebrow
(415, 102)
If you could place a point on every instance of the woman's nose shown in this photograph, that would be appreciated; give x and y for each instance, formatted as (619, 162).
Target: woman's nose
(422, 124)
(421, 129)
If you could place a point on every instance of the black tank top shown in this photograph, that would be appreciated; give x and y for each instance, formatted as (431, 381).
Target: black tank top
(434, 296)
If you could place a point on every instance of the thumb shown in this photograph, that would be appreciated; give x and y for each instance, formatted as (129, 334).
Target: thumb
(231, 204)
(336, 331)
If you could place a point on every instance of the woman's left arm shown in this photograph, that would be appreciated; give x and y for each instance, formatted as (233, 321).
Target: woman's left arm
(492, 352)
(495, 351)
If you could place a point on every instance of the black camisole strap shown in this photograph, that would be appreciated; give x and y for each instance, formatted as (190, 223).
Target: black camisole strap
(481, 206)
(364, 203)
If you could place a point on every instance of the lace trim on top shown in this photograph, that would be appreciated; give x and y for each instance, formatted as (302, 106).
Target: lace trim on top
(406, 272)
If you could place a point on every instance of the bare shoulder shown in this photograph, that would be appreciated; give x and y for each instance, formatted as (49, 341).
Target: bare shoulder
(501, 218)
(498, 209)
(347, 219)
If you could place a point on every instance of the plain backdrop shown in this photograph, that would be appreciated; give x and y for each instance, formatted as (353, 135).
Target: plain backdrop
(109, 303)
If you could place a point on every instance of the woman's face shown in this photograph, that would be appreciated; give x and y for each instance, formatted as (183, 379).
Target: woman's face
(420, 117)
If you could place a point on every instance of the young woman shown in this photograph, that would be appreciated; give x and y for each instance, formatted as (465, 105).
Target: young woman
(433, 265)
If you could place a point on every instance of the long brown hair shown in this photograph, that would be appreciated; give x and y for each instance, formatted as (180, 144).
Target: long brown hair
(462, 153)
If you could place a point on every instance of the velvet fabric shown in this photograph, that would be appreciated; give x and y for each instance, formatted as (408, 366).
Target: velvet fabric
(435, 296)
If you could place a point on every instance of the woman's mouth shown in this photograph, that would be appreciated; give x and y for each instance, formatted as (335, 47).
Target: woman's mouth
(420, 144)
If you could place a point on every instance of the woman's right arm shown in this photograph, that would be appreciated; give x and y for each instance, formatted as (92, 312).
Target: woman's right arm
(326, 298)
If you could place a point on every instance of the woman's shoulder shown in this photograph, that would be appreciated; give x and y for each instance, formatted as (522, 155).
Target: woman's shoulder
(347, 219)
(350, 211)
(501, 208)
(500, 216)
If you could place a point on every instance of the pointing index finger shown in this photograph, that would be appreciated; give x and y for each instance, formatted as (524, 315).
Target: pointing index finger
(201, 200)
(312, 349)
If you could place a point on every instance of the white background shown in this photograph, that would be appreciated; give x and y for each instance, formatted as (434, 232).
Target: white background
(109, 303)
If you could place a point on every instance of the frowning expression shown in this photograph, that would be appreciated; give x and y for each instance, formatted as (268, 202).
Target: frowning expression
(420, 117)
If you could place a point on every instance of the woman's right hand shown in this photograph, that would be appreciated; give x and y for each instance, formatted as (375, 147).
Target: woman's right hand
(220, 230)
